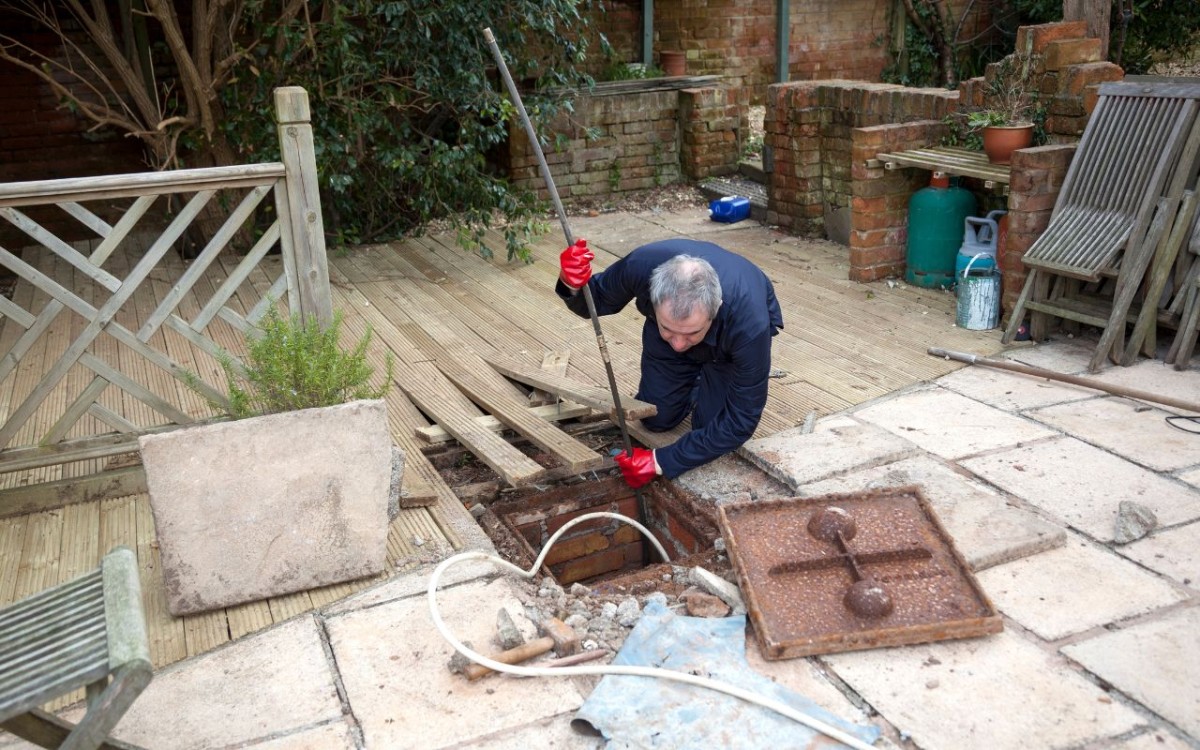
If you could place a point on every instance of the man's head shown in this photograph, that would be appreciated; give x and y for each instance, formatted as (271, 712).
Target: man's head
(686, 295)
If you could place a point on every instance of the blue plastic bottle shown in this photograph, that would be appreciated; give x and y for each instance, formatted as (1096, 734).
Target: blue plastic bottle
(729, 209)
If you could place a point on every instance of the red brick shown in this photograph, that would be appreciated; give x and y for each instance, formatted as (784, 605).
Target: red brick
(570, 549)
(591, 566)
(1027, 202)
(1076, 78)
(1034, 39)
(1064, 52)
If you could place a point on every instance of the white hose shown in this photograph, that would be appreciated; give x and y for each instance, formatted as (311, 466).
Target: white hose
(634, 671)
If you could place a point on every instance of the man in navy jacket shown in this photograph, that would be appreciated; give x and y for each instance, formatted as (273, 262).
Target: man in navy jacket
(706, 345)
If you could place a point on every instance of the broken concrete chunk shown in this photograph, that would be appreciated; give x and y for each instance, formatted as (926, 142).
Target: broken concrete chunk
(628, 612)
(395, 482)
(720, 588)
(1134, 521)
(513, 626)
(700, 604)
(458, 662)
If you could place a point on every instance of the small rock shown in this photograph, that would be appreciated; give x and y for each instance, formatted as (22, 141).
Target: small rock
(1134, 521)
(719, 587)
(609, 610)
(577, 622)
(590, 645)
(458, 662)
(628, 612)
(578, 589)
(719, 544)
(657, 596)
(477, 511)
(666, 577)
(506, 631)
(931, 684)
(700, 604)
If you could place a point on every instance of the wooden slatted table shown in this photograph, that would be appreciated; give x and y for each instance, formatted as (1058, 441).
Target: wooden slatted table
(954, 161)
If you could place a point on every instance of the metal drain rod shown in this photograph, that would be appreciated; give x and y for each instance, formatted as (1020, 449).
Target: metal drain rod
(548, 178)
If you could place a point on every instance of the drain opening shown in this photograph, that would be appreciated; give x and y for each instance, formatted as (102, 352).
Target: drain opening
(602, 549)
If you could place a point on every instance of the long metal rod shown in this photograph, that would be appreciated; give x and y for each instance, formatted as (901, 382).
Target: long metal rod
(548, 178)
(1116, 390)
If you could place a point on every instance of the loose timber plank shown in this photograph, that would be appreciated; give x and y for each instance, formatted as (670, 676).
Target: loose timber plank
(167, 643)
(589, 395)
(550, 412)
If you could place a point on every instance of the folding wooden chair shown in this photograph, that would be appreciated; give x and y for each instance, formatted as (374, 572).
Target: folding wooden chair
(78, 634)
(1118, 203)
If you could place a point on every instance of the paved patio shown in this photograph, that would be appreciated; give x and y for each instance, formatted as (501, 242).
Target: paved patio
(1101, 641)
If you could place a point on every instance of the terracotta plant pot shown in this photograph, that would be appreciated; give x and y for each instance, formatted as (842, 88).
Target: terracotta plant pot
(999, 141)
(673, 63)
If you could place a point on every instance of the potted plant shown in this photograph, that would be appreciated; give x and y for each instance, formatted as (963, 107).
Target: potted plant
(293, 492)
(1010, 97)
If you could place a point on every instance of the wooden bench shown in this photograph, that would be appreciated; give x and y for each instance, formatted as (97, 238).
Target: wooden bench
(78, 634)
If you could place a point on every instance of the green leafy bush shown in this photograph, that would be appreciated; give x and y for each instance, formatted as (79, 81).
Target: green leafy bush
(408, 110)
(296, 364)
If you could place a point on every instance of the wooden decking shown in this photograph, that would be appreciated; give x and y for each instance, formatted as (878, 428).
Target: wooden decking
(843, 343)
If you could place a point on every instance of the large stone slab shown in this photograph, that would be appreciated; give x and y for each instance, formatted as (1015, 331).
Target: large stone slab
(393, 666)
(1083, 485)
(269, 684)
(1009, 390)
(1191, 477)
(837, 444)
(1157, 663)
(1075, 588)
(950, 425)
(1174, 553)
(260, 507)
(985, 528)
(999, 692)
(1067, 356)
(1157, 377)
(335, 736)
(1128, 428)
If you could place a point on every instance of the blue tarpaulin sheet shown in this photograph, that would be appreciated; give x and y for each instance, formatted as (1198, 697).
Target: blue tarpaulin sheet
(644, 712)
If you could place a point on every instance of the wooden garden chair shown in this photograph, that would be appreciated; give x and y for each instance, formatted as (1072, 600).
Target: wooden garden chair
(89, 633)
(1118, 202)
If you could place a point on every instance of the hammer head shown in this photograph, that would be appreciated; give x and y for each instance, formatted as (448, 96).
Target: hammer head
(566, 642)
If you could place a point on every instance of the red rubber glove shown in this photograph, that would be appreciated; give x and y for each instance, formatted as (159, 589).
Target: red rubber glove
(639, 468)
(576, 264)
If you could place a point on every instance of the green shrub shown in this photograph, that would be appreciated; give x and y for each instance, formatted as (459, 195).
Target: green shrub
(296, 364)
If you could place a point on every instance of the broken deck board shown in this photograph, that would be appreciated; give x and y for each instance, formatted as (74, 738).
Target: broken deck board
(550, 412)
(592, 396)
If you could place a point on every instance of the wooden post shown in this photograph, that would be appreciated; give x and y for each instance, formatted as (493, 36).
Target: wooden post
(302, 223)
(1096, 13)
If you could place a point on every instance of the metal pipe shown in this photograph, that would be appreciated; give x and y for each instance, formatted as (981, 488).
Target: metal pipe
(1116, 390)
(548, 178)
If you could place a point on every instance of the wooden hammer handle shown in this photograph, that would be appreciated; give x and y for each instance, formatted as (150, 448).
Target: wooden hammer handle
(521, 653)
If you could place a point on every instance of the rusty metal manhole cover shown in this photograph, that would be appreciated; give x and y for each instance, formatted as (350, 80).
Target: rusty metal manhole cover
(851, 571)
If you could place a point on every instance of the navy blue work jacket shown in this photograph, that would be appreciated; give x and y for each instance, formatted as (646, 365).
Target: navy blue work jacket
(738, 344)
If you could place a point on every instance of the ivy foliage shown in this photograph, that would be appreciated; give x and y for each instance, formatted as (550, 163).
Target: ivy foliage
(408, 108)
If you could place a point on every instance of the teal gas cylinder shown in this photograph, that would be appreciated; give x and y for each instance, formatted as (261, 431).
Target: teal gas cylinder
(935, 231)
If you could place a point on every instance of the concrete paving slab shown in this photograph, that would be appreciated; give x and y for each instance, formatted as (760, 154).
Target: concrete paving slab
(1075, 588)
(731, 479)
(1174, 553)
(1156, 663)
(1083, 485)
(265, 685)
(259, 507)
(985, 528)
(808, 678)
(1157, 377)
(1009, 390)
(393, 667)
(554, 733)
(999, 692)
(837, 444)
(1062, 355)
(1129, 428)
(950, 425)
(1191, 477)
(335, 736)
(412, 583)
(1155, 739)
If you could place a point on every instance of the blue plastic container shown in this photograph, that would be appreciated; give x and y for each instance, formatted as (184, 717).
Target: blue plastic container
(935, 232)
(729, 209)
(979, 243)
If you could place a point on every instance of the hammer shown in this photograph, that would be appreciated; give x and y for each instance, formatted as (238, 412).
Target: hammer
(556, 635)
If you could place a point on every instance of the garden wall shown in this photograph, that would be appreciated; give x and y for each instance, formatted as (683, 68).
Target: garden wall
(826, 136)
(621, 141)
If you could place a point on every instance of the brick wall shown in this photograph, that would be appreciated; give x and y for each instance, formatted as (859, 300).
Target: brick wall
(825, 134)
(631, 141)
(829, 39)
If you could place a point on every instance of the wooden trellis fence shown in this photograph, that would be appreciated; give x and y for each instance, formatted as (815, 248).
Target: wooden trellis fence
(88, 314)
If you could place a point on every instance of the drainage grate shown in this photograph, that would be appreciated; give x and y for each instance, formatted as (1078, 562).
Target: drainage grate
(852, 571)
